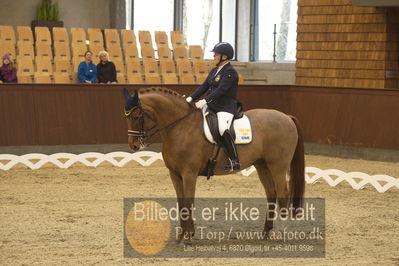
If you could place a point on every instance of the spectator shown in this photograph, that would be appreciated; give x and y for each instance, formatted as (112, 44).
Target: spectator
(8, 73)
(106, 71)
(87, 71)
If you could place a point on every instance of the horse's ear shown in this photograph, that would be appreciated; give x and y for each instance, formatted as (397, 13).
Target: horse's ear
(136, 95)
(126, 94)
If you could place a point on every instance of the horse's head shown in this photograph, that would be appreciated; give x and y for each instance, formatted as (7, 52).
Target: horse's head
(135, 117)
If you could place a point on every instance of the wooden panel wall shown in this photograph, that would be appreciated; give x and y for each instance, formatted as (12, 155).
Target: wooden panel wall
(392, 57)
(49, 114)
(339, 45)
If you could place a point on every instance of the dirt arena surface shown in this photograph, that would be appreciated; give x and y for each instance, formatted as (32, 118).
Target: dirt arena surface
(74, 216)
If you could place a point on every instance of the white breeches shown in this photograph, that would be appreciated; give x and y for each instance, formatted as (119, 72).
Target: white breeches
(224, 120)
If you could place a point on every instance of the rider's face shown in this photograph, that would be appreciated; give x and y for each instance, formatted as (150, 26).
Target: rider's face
(216, 57)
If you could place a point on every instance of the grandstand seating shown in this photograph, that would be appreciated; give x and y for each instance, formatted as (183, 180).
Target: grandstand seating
(58, 55)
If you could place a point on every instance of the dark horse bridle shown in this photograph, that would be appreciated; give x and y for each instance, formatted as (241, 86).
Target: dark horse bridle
(144, 134)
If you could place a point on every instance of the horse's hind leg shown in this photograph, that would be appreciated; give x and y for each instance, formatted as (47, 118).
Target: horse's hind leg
(267, 182)
(279, 172)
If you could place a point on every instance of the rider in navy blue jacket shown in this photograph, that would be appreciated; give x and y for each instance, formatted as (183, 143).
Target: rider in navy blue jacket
(221, 87)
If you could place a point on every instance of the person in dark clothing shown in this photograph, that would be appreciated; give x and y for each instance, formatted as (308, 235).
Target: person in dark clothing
(221, 87)
(8, 73)
(106, 71)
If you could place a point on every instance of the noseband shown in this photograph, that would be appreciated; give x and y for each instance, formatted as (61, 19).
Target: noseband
(143, 134)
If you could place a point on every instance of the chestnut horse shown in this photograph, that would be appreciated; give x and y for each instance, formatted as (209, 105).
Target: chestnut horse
(276, 150)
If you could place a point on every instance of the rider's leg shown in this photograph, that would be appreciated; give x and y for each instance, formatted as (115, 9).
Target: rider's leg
(224, 121)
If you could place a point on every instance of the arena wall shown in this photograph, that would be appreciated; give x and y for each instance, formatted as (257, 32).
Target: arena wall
(48, 114)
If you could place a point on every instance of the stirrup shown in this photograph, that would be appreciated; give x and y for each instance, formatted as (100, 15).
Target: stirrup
(232, 166)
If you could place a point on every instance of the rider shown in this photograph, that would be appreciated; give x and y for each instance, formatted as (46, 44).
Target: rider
(221, 85)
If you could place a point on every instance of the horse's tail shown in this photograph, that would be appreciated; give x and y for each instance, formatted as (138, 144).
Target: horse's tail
(297, 189)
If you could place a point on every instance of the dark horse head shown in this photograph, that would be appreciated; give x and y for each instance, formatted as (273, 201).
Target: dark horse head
(131, 102)
(134, 114)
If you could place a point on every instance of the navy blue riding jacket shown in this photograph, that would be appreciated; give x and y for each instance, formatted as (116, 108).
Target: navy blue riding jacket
(221, 88)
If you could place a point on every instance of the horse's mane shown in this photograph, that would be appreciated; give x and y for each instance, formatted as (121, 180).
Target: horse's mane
(164, 91)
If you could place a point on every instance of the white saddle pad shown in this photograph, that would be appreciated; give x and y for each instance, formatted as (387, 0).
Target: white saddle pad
(242, 128)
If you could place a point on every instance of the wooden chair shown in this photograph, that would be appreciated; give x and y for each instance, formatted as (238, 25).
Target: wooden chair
(43, 65)
(44, 49)
(164, 52)
(135, 78)
(43, 35)
(25, 49)
(128, 38)
(161, 39)
(145, 38)
(131, 53)
(152, 78)
(78, 36)
(167, 66)
(42, 78)
(196, 52)
(61, 77)
(177, 39)
(169, 78)
(7, 34)
(112, 37)
(60, 35)
(180, 52)
(25, 34)
(147, 52)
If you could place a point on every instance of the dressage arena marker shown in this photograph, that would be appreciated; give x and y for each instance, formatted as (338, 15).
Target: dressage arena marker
(92, 159)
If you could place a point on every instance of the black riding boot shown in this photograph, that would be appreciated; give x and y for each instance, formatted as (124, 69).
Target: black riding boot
(231, 151)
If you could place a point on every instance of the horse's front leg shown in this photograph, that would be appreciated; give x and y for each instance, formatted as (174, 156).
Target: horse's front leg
(178, 185)
(189, 183)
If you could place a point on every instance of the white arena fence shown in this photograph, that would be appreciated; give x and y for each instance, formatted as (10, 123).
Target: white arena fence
(333, 177)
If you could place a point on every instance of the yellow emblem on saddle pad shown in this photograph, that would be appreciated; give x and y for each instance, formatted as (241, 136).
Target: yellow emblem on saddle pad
(217, 78)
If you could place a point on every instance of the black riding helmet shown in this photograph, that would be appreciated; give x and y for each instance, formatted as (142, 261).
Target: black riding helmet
(223, 48)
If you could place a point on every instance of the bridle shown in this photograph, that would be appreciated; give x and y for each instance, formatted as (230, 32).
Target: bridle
(144, 134)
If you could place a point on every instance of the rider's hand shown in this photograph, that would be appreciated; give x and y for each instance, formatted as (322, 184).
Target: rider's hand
(200, 104)
(189, 99)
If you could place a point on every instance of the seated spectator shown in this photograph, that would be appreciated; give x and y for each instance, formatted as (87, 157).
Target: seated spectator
(8, 73)
(106, 71)
(87, 71)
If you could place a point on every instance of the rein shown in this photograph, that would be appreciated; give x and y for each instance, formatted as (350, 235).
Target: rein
(141, 134)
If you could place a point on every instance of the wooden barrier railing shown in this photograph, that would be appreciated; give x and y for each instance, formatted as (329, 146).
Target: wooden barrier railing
(50, 114)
